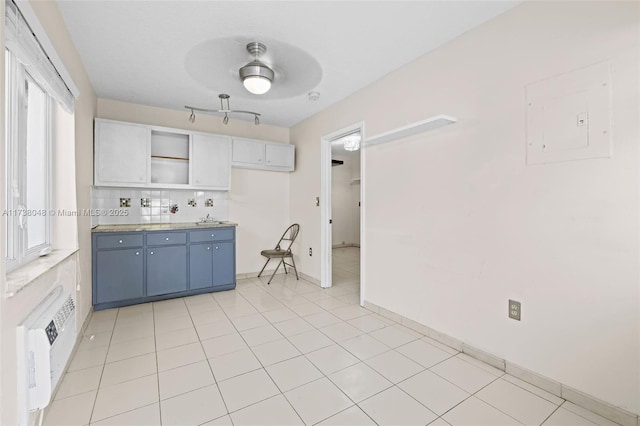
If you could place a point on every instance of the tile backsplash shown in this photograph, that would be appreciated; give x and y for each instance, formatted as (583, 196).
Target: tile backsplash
(156, 206)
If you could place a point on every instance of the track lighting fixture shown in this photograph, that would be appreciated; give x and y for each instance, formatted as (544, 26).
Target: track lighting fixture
(224, 109)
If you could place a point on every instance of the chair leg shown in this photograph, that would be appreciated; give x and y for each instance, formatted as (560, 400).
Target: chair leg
(293, 262)
(276, 270)
(265, 265)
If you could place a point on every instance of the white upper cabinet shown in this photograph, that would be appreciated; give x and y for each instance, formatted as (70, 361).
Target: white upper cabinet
(262, 155)
(210, 161)
(280, 155)
(142, 156)
(121, 154)
(247, 152)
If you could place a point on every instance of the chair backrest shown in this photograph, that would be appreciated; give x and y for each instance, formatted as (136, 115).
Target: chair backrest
(288, 237)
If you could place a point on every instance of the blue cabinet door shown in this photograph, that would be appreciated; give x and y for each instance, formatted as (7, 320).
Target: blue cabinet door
(200, 266)
(119, 275)
(224, 267)
(166, 270)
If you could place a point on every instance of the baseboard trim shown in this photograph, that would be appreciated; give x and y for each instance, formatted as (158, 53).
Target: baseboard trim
(309, 278)
(302, 275)
(267, 273)
(589, 402)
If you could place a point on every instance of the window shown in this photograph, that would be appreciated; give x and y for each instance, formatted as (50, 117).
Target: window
(35, 80)
(28, 135)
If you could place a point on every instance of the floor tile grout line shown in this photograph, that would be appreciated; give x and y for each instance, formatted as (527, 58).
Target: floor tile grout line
(527, 390)
(326, 376)
(95, 400)
(265, 370)
(300, 354)
(124, 412)
(155, 344)
(497, 408)
(550, 414)
(215, 381)
(580, 415)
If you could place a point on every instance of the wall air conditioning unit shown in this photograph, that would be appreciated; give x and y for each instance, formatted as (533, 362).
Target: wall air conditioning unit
(45, 340)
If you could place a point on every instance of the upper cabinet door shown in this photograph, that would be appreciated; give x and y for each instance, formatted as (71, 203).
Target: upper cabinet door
(121, 154)
(280, 156)
(247, 152)
(210, 161)
(261, 155)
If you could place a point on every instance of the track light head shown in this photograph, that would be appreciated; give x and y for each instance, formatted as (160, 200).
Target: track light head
(257, 120)
(225, 120)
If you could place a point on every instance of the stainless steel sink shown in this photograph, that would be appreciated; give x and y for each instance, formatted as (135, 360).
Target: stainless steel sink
(211, 222)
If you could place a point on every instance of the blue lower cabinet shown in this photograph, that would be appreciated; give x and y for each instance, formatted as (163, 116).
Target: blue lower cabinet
(200, 266)
(224, 270)
(120, 275)
(166, 270)
(142, 266)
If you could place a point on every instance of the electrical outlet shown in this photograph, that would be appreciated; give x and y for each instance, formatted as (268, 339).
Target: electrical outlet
(515, 310)
(310, 251)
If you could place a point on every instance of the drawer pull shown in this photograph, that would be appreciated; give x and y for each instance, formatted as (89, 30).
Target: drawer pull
(151, 253)
(137, 253)
(213, 235)
(120, 242)
(208, 248)
(167, 239)
(216, 247)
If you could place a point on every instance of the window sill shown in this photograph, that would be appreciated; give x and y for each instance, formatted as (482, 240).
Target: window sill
(25, 275)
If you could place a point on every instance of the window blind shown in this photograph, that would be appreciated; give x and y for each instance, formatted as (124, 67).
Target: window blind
(20, 40)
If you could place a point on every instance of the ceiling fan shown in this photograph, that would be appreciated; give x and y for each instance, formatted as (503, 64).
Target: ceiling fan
(223, 110)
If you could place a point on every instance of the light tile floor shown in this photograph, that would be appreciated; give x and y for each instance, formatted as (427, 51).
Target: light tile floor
(288, 353)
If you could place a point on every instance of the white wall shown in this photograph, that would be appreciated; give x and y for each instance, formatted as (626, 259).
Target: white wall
(78, 134)
(345, 195)
(473, 226)
(258, 200)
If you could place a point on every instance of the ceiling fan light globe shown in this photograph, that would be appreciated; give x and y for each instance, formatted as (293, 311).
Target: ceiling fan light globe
(256, 77)
(257, 85)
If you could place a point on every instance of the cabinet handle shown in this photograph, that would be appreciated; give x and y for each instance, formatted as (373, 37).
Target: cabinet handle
(151, 253)
(167, 239)
(208, 248)
(137, 253)
(120, 242)
(216, 247)
(213, 235)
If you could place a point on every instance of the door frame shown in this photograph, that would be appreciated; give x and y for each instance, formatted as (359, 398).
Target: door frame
(325, 204)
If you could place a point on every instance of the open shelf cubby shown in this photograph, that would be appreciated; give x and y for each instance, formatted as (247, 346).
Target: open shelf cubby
(169, 157)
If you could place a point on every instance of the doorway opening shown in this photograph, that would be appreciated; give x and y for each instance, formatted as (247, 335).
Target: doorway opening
(342, 220)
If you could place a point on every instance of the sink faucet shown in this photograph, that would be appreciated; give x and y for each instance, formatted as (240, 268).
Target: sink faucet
(206, 219)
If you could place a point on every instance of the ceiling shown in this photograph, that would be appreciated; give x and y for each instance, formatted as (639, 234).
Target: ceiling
(174, 53)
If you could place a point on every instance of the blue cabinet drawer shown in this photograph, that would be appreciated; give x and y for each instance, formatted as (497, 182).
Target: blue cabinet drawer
(166, 238)
(119, 241)
(211, 234)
